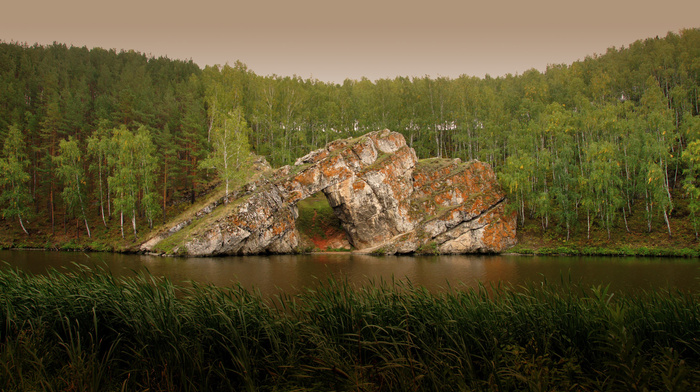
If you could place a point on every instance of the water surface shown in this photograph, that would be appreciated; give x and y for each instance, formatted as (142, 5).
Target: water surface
(290, 273)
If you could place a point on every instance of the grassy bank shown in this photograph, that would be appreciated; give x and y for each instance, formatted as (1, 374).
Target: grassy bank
(70, 234)
(91, 332)
(635, 237)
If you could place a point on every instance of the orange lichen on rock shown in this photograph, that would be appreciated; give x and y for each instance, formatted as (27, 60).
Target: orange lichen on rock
(332, 169)
(307, 177)
(295, 196)
(500, 234)
(281, 226)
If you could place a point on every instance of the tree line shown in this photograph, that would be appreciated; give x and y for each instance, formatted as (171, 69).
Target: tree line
(578, 145)
(97, 132)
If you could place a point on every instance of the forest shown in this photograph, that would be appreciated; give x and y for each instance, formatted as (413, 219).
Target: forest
(100, 138)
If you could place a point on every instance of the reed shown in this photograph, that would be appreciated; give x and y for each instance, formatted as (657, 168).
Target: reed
(90, 331)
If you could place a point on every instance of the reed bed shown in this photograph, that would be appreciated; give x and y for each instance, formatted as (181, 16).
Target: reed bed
(89, 331)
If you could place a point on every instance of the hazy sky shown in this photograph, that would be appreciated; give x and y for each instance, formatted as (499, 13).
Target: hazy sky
(333, 40)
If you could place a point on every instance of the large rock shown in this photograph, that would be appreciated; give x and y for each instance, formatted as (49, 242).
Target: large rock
(387, 201)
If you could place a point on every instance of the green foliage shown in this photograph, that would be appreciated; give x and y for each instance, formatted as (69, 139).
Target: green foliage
(71, 246)
(431, 248)
(88, 330)
(133, 164)
(316, 216)
(122, 182)
(381, 251)
(97, 246)
(55, 92)
(15, 197)
(69, 167)
(100, 149)
(147, 164)
(574, 146)
(231, 156)
(691, 158)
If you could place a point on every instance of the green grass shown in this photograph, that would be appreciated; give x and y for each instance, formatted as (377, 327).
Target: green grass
(198, 224)
(624, 250)
(91, 331)
(638, 241)
(317, 221)
(314, 214)
(430, 248)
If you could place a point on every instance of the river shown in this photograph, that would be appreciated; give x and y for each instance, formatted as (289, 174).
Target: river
(290, 273)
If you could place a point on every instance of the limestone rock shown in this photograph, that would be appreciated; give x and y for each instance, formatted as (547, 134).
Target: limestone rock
(386, 199)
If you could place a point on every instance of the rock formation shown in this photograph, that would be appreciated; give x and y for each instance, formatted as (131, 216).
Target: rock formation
(387, 200)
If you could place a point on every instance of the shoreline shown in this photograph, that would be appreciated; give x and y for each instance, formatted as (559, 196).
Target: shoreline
(621, 251)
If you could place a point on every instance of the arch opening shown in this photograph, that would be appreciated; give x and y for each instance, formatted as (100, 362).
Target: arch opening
(319, 227)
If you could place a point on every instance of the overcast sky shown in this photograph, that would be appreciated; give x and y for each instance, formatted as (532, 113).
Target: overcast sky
(333, 40)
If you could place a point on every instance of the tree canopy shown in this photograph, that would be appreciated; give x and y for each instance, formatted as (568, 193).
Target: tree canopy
(577, 145)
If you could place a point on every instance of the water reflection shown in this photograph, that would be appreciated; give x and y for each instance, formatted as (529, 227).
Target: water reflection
(290, 273)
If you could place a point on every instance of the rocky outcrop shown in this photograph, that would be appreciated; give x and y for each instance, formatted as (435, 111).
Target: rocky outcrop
(387, 201)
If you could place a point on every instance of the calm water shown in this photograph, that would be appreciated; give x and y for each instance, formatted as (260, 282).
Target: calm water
(269, 274)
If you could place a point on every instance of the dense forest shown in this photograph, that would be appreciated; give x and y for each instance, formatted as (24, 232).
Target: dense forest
(105, 138)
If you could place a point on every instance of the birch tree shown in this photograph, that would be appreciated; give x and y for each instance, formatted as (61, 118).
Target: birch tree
(15, 195)
(69, 167)
(146, 164)
(231, 150)
(691, 157)
(99, 149)
(123, 182)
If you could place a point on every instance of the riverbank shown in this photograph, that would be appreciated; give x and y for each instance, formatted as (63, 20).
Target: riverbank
(532, 242)
(634, 239)
(91, 331)
(531, 248)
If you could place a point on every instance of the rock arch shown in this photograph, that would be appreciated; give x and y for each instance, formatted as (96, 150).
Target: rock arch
(385, 198)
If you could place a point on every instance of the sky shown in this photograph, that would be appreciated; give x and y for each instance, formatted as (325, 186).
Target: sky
(334, 40)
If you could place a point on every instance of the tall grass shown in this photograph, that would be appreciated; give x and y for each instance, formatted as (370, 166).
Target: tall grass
(88, 331)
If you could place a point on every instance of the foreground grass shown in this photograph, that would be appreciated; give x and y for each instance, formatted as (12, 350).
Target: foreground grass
(89, 331)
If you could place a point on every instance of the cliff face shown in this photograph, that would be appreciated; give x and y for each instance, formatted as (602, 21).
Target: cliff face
(387, 200)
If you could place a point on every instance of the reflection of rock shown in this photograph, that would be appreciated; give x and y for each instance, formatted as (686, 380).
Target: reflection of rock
(386, 199)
